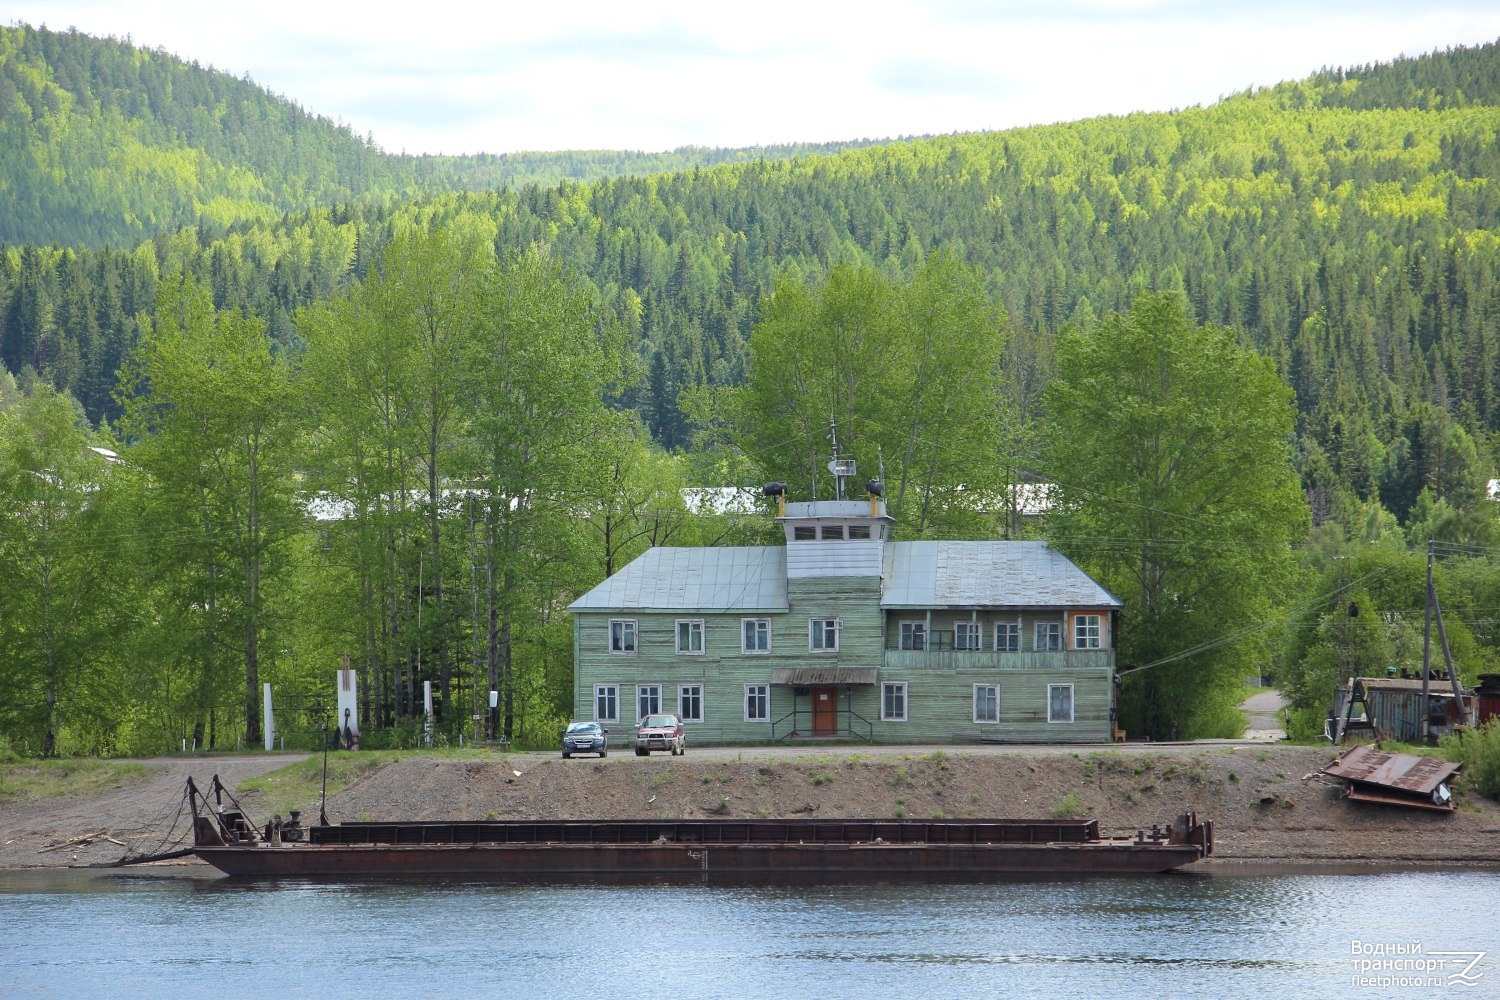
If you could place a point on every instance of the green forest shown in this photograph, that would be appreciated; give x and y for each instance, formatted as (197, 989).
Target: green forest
(272, 397)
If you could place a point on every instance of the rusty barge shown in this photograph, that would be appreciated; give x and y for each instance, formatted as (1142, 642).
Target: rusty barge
(730, 848)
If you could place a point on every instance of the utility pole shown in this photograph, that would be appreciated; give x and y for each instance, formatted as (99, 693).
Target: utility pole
(1427, 652)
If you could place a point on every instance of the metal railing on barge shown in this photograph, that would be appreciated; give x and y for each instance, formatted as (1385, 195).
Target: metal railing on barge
(753, 831)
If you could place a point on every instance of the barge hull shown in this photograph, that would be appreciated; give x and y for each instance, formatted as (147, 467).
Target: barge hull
(894, 860)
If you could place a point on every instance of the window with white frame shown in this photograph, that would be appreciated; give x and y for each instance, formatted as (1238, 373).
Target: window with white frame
(647, 700)
(1059, 703)
(690, 702)
(755, 635)
(965, 635)
(606, 703)
(823, 635)
(622, 635)
(893, 701)
(1048, 637)
(913, 635)
(1087, 632)
(986, 702)
(690, 636)
(757, 703)
(1007, 637)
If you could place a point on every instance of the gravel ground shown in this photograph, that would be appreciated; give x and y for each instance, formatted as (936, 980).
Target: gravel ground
(1263, 809)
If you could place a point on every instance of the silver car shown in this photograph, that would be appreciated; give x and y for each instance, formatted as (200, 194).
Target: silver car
(585, 737)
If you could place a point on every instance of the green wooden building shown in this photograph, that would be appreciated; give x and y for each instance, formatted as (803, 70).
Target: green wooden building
(843, 632)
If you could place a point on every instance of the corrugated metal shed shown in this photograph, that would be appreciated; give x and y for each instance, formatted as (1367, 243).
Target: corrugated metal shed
(987, 575)
(695, 579)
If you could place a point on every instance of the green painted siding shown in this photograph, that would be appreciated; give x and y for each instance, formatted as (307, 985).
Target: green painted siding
(940, 683)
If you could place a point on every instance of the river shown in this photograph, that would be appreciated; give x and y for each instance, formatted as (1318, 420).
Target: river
(1289, 934)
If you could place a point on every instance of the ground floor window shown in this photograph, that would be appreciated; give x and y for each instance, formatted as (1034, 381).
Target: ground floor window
(690, 702)
(893, 701)
(647, 700)
(757, 703)
(606, 703)
(986, 703)
(1059, 703)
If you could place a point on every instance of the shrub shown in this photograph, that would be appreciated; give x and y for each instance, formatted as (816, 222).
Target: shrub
(1479, 750)
(1069, 806)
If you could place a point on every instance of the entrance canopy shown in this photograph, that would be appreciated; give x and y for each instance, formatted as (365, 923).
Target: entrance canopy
(823, 676)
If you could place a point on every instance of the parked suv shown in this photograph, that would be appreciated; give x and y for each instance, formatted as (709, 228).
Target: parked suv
(660, 732)
(585, 737)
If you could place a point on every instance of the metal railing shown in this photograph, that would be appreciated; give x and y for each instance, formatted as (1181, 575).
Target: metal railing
(852, 721)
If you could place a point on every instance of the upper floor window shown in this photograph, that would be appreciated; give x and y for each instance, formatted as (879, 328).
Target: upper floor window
(833, 531)
(965, 635)
(1087, 632)
(1007, 637)
(1048, 637)
(755, 635)
(804, 533)
(622, 635)
(913, 635)
(823, 635)
(857, 531)
(690, 635)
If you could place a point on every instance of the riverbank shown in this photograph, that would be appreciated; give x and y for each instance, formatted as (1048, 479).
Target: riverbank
(1263, 809)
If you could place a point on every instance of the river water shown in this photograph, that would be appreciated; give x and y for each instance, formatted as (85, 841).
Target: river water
(179, 932)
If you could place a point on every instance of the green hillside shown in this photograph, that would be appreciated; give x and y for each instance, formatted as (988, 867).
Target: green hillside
(578, 351)
(104, 143)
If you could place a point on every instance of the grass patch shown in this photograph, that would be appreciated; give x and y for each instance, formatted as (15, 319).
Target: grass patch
(46, 779)
(300, 785)
(1069, 806)
(825, 778)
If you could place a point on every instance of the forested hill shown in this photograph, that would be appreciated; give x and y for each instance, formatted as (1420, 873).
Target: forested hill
(104, 143)
(1357, 247)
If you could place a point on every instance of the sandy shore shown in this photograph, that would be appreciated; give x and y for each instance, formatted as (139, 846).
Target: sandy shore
(1265, 810)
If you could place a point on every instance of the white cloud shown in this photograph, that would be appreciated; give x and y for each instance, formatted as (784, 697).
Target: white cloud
(456, 75)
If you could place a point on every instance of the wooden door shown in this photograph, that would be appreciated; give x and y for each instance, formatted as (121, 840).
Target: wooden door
(825, 711)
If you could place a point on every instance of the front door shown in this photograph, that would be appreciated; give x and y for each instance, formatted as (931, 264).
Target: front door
(825, 711)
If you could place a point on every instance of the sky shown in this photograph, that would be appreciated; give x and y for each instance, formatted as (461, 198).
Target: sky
(454, 76)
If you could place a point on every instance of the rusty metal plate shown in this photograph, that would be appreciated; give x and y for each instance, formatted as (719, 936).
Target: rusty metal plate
(1404, 771)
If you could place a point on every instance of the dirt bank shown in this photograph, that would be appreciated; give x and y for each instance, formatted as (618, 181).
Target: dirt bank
(1262, 808)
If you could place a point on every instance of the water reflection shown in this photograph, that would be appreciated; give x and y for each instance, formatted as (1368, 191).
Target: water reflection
(178, 930)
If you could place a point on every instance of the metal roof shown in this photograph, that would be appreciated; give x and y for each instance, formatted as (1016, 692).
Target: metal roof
(915, 575)
(823, 675)
(986, 575)
(747, 578)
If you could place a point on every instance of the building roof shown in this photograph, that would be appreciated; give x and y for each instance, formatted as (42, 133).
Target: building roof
(915, 575)
(986, 575)
(748, 578)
